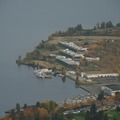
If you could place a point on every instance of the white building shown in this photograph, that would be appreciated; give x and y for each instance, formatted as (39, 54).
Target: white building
(67, 61)
(111, 89)
(73, 46)
(72, 53)
(95, 74)
(92, 58)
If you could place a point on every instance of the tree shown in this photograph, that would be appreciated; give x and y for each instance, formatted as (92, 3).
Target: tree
(29, 56)
(19, 58)
(42, 113)
(118, 25)
(109, 24)
(93, 111)
(106, 117)
(100, 115)
(25, 106)
(97, 25)
(77, 83)
(77, 70)
(64, 71)
(13, 115)
(37, 104)
(87, 116)
(100, 96)
(22, 116)
(85, 62)
(103, 25)
(118, 108)
(70, 31)
(52, 105)
(79, 27)
(117, 96)
(18, 107)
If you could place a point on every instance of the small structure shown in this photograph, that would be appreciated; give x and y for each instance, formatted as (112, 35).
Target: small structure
(92, 58)
(67, 61)
(71, 53)
(95, 74)
(73, 46)
(111, 89)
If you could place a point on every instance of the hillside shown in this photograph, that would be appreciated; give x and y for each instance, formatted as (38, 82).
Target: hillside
(105, 47)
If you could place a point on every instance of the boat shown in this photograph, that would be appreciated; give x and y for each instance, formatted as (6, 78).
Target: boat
(43, 73)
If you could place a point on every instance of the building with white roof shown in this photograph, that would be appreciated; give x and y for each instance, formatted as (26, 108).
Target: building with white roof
(67, 61)
(73, 46)
(71, 53)
(95, 74)
(111, 89)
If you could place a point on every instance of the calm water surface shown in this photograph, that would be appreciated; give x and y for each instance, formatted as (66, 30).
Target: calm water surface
(19, 84)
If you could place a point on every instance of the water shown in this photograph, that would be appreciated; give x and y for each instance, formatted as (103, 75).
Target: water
(19, 84)
(21, 29)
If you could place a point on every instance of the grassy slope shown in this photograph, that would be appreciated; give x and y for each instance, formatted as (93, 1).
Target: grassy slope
(113, 113)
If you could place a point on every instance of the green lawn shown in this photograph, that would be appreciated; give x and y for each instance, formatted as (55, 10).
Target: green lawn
(113, 114)
(80, 116)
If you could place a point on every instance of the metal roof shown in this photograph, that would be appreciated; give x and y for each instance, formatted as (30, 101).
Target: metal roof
(113, 86)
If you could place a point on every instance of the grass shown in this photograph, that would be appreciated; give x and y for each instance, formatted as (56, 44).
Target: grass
(113, 114)
(80, 116)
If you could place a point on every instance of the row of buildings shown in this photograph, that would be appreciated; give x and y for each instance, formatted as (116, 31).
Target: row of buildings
(75, 52)
(67, 61)
(96, 74)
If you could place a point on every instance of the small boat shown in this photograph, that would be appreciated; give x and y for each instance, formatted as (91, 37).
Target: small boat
(43, 73)
(48, 76)
(40, 76)
(61, 75)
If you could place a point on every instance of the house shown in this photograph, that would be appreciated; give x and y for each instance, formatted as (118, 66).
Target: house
(111, 89)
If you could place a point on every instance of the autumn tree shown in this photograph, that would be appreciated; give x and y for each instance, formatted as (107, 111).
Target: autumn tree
(64, 71)
(77, 70)
(43, 113)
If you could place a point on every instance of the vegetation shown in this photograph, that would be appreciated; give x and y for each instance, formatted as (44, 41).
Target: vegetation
(101, 29)
(48, 110)
(105, 49)
(100, 96)
(113, 114)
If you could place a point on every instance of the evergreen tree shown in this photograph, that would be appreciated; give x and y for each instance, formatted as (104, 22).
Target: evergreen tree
(87, 116)
(109, 24)
(78, 28)
(18, 107)
(25, 106)
(103, 25)
(37, 104)
(118, 25)
(100, 96)
(106, 117)
(93, 111)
